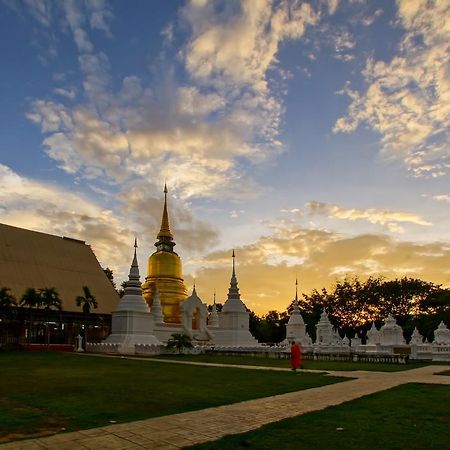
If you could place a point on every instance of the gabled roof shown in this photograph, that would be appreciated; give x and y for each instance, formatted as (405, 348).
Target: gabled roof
(38, 260)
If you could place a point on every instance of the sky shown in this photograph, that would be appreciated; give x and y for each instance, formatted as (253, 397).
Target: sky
(311, 137)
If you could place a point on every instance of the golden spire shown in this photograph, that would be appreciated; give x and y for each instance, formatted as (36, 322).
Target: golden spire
(296, 290)
(164, 233)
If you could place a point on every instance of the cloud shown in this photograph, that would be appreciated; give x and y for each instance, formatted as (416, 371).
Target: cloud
(372, 215)
(324, 256)
(407, 99)
(44, 207)
(40, 206)
(67, 93)
(203, 134)
(237, 46)
(367, 21)
(442, 198)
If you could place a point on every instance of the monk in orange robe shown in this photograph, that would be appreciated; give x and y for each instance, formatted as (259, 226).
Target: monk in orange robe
(296, 356)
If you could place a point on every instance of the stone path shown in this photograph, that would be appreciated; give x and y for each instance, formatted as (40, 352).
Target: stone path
(213, 423)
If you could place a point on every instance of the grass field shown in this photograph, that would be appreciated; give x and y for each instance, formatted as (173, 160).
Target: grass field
(41, 393)
(307, 364)
(413, 416)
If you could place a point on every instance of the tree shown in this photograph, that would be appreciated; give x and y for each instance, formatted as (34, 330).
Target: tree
(86, 301)
(30, 299)
(179, 341)
(109, 274)
(7, 309)
(49, 299)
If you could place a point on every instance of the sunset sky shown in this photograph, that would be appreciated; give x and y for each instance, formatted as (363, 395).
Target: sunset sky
(312, 137)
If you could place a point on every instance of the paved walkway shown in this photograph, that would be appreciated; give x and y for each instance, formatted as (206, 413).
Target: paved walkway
(213, 423)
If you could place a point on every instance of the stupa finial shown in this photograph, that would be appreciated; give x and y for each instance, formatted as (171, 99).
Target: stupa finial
(165, 234)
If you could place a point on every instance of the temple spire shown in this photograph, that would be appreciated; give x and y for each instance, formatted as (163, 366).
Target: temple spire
(296, 290)
(234, 272)
(133, 285)
(165, 235)
(233, 290)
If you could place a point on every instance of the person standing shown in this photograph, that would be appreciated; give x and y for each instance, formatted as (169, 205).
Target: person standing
(296, 356)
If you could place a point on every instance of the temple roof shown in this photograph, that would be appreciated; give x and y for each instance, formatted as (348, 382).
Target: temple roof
(38, 260)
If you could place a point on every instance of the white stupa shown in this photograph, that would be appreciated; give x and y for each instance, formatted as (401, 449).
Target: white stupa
(391, 333)
(373, 335)
(416, 338)
(442, 335)
(194, 315)
(233, 328)
(296, 328)
(324, 331)
(132, 322)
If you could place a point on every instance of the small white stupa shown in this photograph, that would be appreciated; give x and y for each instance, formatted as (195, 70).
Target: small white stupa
(391, 333)
(442, 335)
(373, 335)
(194, 315)
(324, 331)
(233, 328)
(132, 322)
(296, 328)
(416, 338)
(213, 320)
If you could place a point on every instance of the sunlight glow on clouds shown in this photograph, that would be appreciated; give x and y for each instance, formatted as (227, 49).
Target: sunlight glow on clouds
(201, 129)
(215, 106)
(407, 99)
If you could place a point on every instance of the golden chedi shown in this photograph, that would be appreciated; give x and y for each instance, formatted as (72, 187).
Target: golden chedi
(164, 272)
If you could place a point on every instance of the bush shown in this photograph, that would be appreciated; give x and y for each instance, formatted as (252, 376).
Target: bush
(12, 347)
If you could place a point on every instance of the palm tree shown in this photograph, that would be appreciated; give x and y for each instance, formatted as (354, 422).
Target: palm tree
(179, 341)
(7, 309)
(49, 300)
(31, 299)
(86, 301)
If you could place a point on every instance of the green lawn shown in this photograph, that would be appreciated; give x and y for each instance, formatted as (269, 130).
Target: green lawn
(307, 364)
(414, 416)
(445, 372)
(41, 393)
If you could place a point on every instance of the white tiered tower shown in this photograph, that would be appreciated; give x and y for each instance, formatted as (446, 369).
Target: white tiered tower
(132, 322)
(295, 328)
(233, 328)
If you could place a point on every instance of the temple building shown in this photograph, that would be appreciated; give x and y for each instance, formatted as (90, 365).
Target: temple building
(164, 273)
(30, 259)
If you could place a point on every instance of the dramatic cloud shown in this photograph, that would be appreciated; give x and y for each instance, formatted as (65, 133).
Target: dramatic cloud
(48, 208)
(323, 257)
(391, 219)
(407, 99)
(203, 134)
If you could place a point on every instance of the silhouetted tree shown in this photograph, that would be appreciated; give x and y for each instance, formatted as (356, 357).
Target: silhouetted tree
(86, 301)
(7, 309)
(31, 299)
(49, 299)
(179, 341)
(109, 274)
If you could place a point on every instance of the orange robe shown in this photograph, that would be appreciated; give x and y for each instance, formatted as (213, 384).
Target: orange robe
(296, 356)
